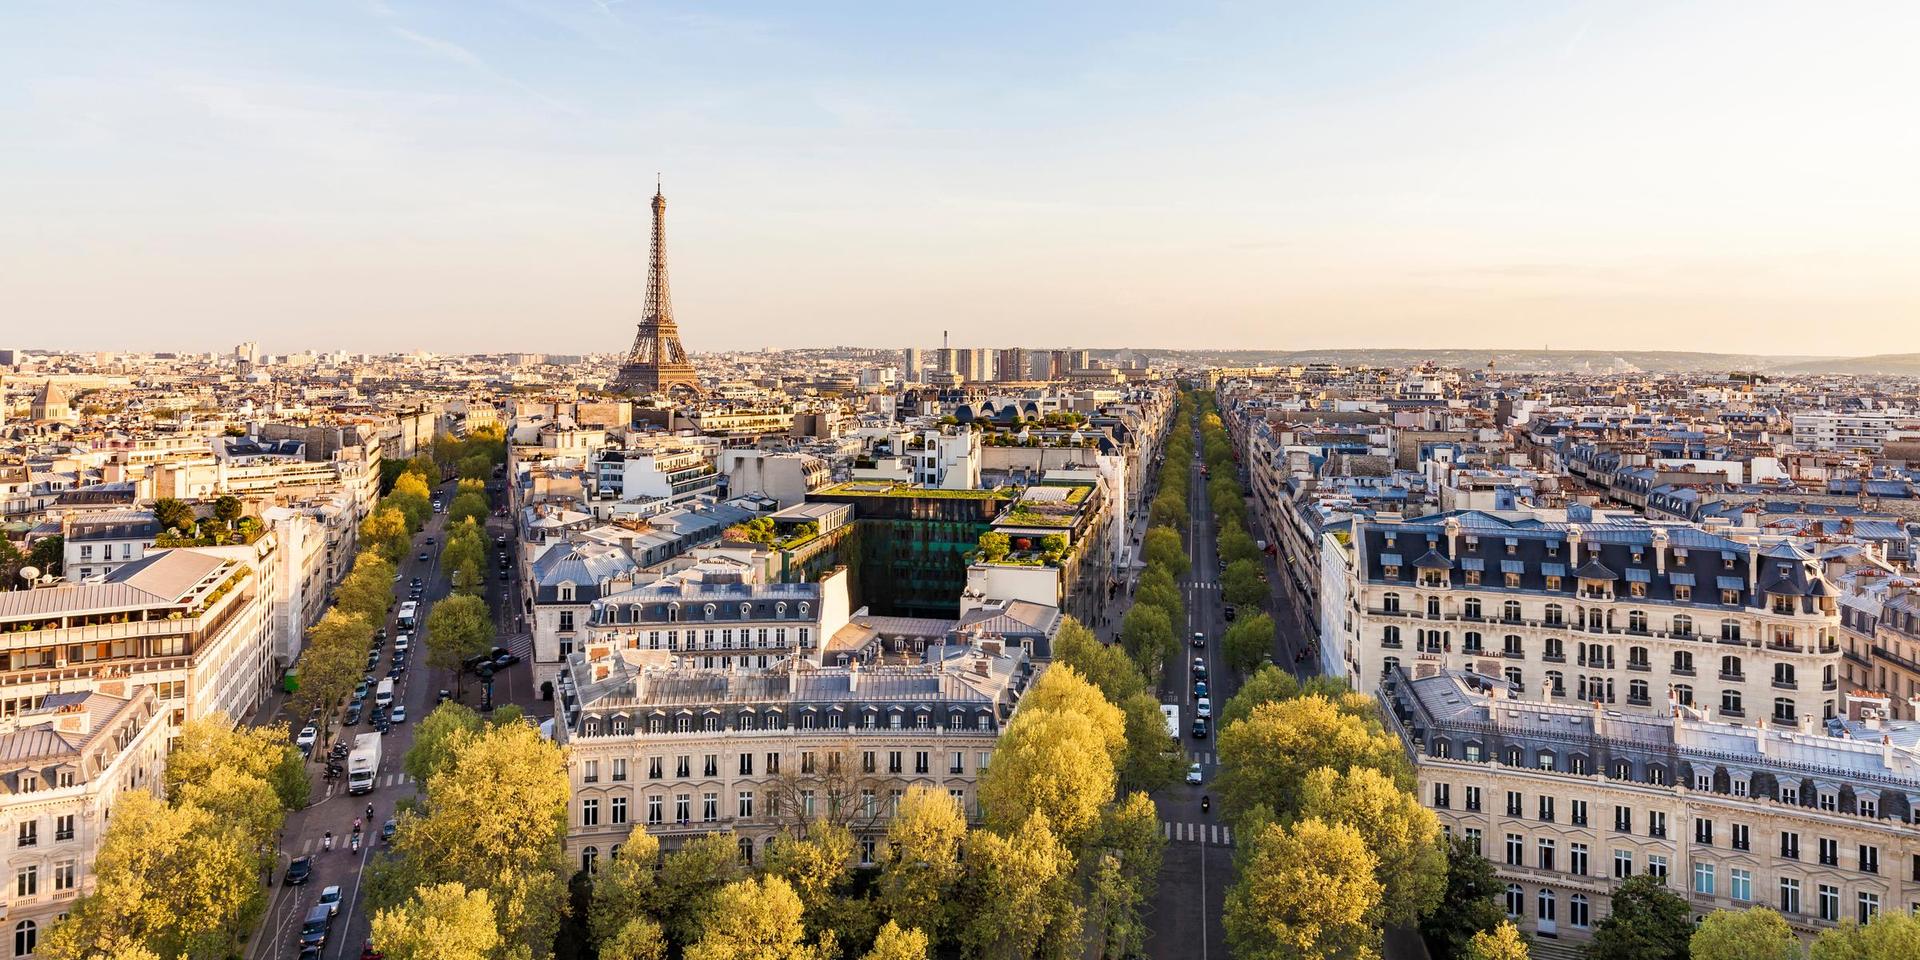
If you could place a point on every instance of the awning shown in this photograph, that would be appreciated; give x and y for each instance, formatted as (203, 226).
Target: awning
(1637, 575)
(1553, 569)
(1732, 583)
(1513, 566)
(1473, 563)
(1681, 579)
(1390, 560)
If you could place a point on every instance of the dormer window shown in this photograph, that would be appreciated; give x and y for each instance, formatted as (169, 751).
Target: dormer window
(564, 592)
(746, 611)
(709, 611)
(803, 610)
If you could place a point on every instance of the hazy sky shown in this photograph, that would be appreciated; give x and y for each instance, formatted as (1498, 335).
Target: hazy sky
(474, 174)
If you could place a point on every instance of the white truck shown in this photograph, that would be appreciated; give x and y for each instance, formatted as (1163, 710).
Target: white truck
(363, 764)
(1172, 712)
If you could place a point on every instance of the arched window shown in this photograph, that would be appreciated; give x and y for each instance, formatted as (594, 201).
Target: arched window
(673, 613)
(1516, 900)
(803, 609)
(746, 611)
(1390, 602)
(26, 938)
(1578, 910)
(1545, 904)
(1783, 711)
(709, 611)
(746, 851)
(1729, 629)
(588, 858)
(1510, 610)
(1683, 694)
(1555, 615)
(1683, 625)
(780, 610)
(1470, 608)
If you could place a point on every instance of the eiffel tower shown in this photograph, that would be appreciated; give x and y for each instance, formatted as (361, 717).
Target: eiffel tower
(657, 363)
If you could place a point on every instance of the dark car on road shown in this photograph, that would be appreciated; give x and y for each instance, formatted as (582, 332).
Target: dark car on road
(423, 558)
(352, 719)
(1228, 611)
(501, 661)
(1200, 728)
(387, 829)
(299, 871)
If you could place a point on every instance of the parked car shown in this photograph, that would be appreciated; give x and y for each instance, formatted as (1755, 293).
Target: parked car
(352, 719)
(1227, 612)
(309, 735)
(1194, 775)
(299, 871)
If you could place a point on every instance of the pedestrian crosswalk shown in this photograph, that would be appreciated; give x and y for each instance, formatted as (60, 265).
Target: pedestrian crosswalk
(519, 644)
(1214, 834)
(395, 779)
(1200, 756)
(1205, 585)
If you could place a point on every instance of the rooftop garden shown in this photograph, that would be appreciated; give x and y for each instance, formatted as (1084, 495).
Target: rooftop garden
(213, 533)
(883, 488)
(996, 547)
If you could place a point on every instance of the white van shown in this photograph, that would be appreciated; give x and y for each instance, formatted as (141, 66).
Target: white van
(401, 642)
(1204, 708)
(383, 694)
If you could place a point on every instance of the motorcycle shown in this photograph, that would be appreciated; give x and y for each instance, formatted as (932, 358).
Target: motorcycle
(354, 843)
(1206, 803)
(326, 842)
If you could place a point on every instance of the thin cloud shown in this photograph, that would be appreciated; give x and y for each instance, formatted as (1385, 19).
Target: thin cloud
(445, 48)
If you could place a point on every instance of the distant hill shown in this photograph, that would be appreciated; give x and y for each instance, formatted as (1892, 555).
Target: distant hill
(1570, 361)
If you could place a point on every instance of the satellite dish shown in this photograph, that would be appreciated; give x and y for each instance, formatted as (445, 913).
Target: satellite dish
(29, 574)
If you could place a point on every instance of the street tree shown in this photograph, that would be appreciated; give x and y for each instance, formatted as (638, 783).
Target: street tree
(1162, 545)
(1890, 935)
(445, 921)
(211, 743)
(920, 867)
(385, 529)
(1268, 684)
(1304, 890)
(1243, 584)
(1402, 835)
(495, 815)
(623, 888)
(332, 664)
(757, 919)
(174, 879)
(468, 506)
(896, 942)
(1648, 922)
(1147, 634)
(1469, 905)
(368, 587)
(436, 737)
(459, 628)
(1249, 641)
(1062, 688)
(1265, 758)
(1017, 898)
(1127, 859)
(1153, 758)
(1235, 544)
(1052, 762)
(1157, 589)
(818, 867)
(1107, 667)
(1168, 510)
(49, 554)
(1753, 934)
(689, 882)
(1503, 942)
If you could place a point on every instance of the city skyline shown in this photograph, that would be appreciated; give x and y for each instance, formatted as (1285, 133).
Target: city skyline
(472, 178)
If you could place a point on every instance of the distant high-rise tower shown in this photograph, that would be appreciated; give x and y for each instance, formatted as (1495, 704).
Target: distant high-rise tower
(657, 363)
(916, 364)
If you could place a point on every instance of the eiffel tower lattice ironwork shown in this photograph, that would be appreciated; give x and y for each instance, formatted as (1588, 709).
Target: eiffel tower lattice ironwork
(657, 363)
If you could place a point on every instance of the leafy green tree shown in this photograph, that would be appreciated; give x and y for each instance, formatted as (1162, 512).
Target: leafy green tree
(49, 554)
(1754, 934)
(1107, 667)
(1162, 545)
(1148, 637)
(623, 889)
(1064, 689)
(688, 884)
(1243, 584)
(1153, 759)
(445, 921)
(458, 628)
(1403, 835)
(756, 919)
(173, 879)
(436, 738)
(1017, 898)
(1469, 905)
(1249, 641)
(920, 867)
(994, 546)
(1169, 510)
(1126, 867)
(1053, 762)
(1235, 544)
(1269, 684)
(211, 743)
(1890, 935)
(368, 587)
(332, 663)
(385, 530)
(1648, 922)
(476, 467)
(899, 943)
(1504, 942)
(11, 560)
(817, 867)
(468, 506)
(494, 816)
(1265, 758)
(174, 514)
(1304, 890)
(227, 509)
(1157, 589)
